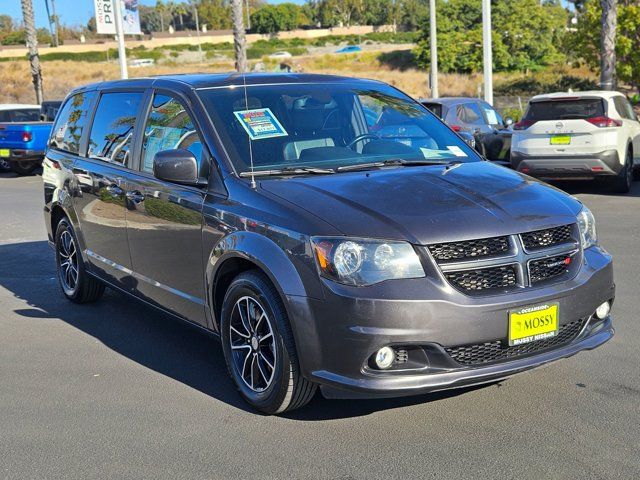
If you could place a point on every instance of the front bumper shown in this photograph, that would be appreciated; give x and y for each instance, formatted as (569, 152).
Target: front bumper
(604, 163)
(336, 336)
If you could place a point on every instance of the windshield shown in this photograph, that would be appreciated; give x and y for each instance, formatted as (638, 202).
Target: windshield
(327, 125)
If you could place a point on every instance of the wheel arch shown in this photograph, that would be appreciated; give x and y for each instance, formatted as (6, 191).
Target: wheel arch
(242, 251)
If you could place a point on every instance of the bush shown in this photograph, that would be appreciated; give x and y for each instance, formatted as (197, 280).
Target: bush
(535, 85)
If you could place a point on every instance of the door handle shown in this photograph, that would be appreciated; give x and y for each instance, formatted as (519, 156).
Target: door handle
(135, 196)
(114, 190)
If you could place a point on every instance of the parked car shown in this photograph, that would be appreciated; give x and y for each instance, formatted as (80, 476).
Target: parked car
(349, 49)
(370, 260)
(579, 135)
(14, 112)
(49, 110)
(282, 55)
(22, 144)
(477, 117)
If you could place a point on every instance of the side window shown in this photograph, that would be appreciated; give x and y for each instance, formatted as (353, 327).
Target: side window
(112, 130)
(630, 112)
(169, 127)
(5, 116)
(70, 123)
(618, 102)
(470, 113)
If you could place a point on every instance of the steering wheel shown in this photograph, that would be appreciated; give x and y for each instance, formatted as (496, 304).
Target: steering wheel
(364, 136)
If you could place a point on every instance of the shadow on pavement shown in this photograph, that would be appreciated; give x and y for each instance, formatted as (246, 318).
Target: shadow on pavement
(594, 187)
(150, 338)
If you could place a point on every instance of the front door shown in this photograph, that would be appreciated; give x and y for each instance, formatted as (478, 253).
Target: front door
(100, 200)
(164, 220)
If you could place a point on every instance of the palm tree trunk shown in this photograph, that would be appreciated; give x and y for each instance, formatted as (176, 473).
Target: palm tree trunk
(608, 44)
(32, 44)
(238, 36)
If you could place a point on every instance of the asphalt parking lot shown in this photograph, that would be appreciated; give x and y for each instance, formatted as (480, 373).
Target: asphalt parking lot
(115, 390)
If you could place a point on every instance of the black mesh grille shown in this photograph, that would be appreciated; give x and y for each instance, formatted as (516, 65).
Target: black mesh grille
(482, 279)
(483, 353)
(547, 237)
(546, 268)
(469, 248)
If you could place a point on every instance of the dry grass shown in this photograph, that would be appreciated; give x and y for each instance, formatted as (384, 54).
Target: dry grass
(61, 76)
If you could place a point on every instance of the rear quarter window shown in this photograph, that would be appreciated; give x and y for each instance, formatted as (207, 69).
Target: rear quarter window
(71, 122)
(565, 109)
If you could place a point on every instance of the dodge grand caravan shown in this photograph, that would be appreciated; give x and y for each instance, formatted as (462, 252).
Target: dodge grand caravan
(332, 232)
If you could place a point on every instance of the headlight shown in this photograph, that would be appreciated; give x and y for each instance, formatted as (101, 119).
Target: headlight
(587, 226)
(362, 262)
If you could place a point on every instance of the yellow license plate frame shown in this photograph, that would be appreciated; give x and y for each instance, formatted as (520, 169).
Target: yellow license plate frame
(560, 140)
(5, 152)
(533, 323)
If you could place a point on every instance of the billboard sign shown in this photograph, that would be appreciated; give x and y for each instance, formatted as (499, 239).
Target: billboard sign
(106, 18)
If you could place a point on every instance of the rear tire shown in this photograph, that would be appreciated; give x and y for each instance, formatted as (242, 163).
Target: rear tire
(23, 167)
(622, 182)
(258, 346)
(76, 284)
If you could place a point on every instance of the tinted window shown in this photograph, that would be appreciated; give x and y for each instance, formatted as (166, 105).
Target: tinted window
(112, 130)
(327, 125)
(565, 109)
(436, 108)
(470, 113)
(5, 116)
(630, 112)
(26, 115)
(168, 127)
(67, 130)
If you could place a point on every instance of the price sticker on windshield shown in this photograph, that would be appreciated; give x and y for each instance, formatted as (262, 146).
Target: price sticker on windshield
(260, 123)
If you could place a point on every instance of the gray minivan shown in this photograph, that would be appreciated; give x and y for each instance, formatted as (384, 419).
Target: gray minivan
(330, 231)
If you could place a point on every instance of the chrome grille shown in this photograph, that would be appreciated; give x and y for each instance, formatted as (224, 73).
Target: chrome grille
(469, 248)
(482, 279)
(547, 237)
(499, 350)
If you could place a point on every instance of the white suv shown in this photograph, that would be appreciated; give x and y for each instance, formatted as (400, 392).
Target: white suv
(579, 135)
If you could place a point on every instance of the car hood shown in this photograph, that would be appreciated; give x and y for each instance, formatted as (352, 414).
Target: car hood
(429, 204)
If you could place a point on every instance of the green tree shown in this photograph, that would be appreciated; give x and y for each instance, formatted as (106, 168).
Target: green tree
(377, 12)
(526, 34)
(585, 41)
(216, 14)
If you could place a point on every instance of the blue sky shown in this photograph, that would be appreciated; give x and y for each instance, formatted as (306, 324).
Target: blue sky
(71, 12)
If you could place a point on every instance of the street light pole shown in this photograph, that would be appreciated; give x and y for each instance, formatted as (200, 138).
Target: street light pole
(487, 57)
(195, 8)
(434, 49)
(122, 54)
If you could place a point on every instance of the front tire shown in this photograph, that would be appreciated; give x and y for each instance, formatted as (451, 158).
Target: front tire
(76, 284)
(259, 348)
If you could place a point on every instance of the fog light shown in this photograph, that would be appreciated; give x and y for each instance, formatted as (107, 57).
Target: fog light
(603, 310)
(385, 357)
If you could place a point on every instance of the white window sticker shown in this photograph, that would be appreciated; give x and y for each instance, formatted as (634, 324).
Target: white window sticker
(492, 118)
(260, 123)
(457, 151)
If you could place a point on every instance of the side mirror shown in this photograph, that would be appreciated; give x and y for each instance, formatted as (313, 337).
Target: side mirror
(177, 166)
(508, 122)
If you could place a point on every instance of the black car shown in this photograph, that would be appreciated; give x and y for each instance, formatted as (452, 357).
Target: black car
(330, 231)
(478, 118)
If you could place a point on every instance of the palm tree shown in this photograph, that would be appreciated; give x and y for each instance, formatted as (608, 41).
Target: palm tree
(238, 36)
(32, 44)
(608, 44)
(180, 11)
(161, 9)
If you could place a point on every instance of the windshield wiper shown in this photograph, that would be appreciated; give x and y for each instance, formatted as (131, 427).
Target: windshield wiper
(287, 171)
(393, 162)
